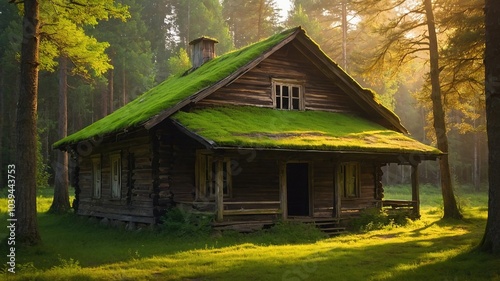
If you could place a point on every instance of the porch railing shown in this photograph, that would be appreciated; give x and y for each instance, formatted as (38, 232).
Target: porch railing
(248, 208)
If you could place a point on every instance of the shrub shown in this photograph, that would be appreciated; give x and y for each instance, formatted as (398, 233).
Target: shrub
(183, 222)
(374, 218)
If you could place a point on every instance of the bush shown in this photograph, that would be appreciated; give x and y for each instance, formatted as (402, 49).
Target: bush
(374, 218)
(183, 222)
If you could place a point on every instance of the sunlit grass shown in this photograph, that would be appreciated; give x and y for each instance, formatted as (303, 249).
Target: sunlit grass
(428, 249)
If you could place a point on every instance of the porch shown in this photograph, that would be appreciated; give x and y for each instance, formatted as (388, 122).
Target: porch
(319, 195)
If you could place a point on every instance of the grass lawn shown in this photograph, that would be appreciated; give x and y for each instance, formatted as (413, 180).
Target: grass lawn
(75, 248)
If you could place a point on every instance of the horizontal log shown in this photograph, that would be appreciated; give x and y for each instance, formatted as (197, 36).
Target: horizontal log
(252, 212)
(140, 219)
(251, 202)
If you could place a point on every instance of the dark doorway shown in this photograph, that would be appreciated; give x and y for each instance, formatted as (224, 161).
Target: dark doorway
(297, 181)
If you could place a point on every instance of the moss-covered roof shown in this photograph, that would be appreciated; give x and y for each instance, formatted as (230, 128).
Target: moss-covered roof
(302, 130)
(174, 90)
(255, 127)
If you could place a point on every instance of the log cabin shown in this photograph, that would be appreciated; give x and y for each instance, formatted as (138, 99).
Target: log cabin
(272, 131)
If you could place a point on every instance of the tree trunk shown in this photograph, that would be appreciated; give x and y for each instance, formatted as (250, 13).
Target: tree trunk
(344, 34)
(2, 129)
(104, 101)
(26, 226)
(124, 85)
(260, 19)
(111, 89)
(491, 239)
(60, 204)
(449, 201)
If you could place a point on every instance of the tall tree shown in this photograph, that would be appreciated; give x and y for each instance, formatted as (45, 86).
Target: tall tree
(65, 38)
(130, 53)
(158, 17)
(250, 20)
(194, 19)
(336, 19)
(449, 201)
(491, 239)
(10, 45)
(25, 171)
(410, 32)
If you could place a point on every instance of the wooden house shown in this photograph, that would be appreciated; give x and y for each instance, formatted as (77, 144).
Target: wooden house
(275, 130)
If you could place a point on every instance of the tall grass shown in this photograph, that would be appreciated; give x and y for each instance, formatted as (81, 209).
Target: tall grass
(76, 248)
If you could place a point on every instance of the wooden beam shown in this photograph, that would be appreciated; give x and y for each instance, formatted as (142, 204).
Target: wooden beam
(415, 192)
(219, 189)
(252, 212)
(336, 193)
(283, 189)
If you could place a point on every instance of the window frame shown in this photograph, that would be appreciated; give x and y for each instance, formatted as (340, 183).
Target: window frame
(116, 189)
(206, 162)
(96, 171)
(290, 84)
(349, 188)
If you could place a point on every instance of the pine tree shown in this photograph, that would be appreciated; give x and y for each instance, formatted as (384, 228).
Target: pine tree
(491, 239)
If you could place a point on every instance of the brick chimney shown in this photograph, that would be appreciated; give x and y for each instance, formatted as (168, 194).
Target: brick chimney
(202, 51)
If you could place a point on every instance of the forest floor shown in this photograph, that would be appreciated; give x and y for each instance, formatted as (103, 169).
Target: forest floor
(76, 248)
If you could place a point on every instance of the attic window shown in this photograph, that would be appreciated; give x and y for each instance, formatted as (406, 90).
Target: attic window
(288, 95)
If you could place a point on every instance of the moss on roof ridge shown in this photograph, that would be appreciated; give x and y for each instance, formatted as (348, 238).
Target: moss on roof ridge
(319, 130)
(175, 89)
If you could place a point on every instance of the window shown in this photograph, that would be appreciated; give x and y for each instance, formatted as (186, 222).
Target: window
(116, 171)
(348, 175)
(206, 174)
(96, 176)
(288, 95)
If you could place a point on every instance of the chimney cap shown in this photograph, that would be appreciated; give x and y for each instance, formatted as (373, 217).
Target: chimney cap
(203, 38)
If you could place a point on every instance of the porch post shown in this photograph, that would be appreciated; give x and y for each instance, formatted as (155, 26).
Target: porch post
(283, 191)
(219, 189)
(415, 193)
(336, 192)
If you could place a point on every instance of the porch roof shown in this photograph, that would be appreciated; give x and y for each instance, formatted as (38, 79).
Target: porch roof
(268, 128)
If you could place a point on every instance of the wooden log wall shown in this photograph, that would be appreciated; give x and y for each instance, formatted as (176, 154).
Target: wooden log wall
(135, 203)
(255, 176)
(254, 87)
(323, 188)
(177, 165)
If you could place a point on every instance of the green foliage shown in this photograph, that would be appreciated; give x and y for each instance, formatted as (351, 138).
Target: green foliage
(42, 175)
(264, 127)
(63, 34)
(179, 63)
(374, 219)
(298, 17)
(129, 51)
(186, 223)
(194, 19)
(70, 264)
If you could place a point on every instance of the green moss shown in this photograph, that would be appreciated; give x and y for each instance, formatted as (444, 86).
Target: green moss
(174, 90)
(270, 128)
